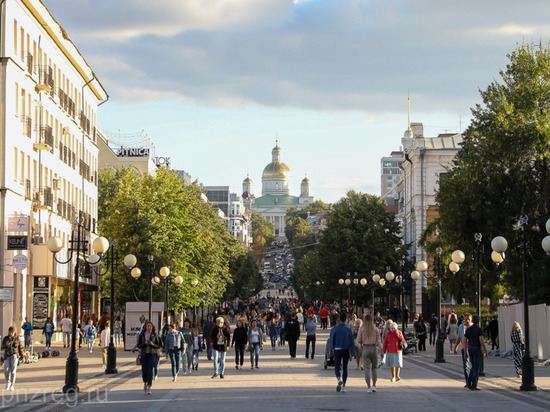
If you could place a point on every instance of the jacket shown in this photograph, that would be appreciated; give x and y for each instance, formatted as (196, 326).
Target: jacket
(220, 338)
(341, 337)
(391, 342)
(260, 335)
(240, 336)
(156, 343)
(12, 346)
(169, 343)
(292, 329)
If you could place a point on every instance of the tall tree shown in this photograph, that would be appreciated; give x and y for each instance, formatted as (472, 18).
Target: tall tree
(502, 173)
(262, 235)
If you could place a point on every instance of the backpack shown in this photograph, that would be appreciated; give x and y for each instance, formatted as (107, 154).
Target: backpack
(91, 332)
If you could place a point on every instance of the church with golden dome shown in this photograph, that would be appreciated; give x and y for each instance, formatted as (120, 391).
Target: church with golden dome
(275, 199)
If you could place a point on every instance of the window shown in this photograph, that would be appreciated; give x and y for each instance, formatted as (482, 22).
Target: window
(15, 36)
(16, 99)
(15, 157)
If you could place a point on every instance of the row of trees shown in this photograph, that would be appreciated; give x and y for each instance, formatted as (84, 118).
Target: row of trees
(162, 217)
(502, 173)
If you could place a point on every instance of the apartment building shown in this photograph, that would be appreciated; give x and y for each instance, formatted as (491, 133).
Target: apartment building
(49, 100)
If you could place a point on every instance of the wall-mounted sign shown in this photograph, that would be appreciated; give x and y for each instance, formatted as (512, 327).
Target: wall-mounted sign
(6, 294)
(133, 152)
(18, 224)
(20, 262)
(17, 242)
(41, 284)
(162, 161)
(40, 302)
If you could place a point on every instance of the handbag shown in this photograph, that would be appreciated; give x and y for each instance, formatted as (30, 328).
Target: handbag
(402, 344)
(138, 360)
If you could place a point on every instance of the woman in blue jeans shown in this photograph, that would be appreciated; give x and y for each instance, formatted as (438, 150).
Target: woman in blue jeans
(173, 344)
(47, 331)
(149, 343)
(255, 343)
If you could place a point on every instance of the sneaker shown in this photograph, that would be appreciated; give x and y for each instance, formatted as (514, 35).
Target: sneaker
(8, 385)
(373, 388)
(362, 367)
(398, 379)
(236, 366)
(12, 388)
(358, 368)
(343, 390)
(339, 386)
(221, 376)
(369, 390)
(252, 367)
(214, 376)
(257, 367)
(393, 379)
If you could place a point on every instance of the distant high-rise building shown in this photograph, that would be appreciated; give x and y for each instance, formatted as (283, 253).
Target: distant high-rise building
(390, 177)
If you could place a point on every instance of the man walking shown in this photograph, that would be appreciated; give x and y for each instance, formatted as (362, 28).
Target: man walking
(475, 345)
(311, 331)
(292, 332)
(206, 332)
(342, 345)
(466, 366)
(433, 328)
(66, 328)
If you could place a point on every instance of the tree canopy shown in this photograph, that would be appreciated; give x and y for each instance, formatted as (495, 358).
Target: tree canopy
(502, 173)
(162, 217)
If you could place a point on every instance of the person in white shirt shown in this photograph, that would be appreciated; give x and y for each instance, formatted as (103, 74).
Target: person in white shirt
(66, 328)
(104, 341)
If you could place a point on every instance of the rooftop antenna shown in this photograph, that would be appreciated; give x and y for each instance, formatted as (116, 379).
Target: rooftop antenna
(409, 132)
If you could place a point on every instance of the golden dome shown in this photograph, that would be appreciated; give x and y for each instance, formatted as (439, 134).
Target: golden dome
(305, 181)
(276, 169)
(247, 181)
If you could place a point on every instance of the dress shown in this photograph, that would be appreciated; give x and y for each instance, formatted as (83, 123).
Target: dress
(519, 347)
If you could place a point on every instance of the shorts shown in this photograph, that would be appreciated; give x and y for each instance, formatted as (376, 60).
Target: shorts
(453, 341)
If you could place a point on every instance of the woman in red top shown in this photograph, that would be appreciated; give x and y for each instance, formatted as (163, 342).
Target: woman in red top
(394, 355)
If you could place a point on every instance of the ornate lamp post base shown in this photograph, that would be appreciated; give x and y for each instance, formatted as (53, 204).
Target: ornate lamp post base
(111, 360)
(439, 349)
(71, 374)
(528, 376)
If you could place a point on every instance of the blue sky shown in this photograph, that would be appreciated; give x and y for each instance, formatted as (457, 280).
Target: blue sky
(212, 82)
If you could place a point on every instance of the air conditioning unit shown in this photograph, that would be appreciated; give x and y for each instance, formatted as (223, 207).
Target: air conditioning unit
(66, 130)
(38, 200)
(38, 240)
(56, 184)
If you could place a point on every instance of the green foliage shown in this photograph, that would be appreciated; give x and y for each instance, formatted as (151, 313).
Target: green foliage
(262, 234)
(300, 237)
(360, 236)
(314, 207)
(162, 217)
(501, 174)
(247, 277)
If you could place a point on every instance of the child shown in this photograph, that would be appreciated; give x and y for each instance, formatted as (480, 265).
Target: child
(196, 348)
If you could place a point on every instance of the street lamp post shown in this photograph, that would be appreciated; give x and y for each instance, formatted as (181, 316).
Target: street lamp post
(499, 244)
(422, 267)
(55, 244)
(130, 262)
(178, 280)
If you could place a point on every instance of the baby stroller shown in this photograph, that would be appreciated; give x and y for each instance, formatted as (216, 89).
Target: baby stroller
(329, 358)
(412, 342)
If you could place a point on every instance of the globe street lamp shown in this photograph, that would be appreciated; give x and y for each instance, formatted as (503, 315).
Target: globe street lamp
(136, 273)
(422, 267)
(130, 262)
(77, 247)
(499, 245)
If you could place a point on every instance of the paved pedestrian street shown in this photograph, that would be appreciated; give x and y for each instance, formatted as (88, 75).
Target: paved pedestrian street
(280, 384)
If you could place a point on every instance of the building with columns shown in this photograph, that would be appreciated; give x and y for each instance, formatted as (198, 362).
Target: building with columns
(425, 161)
(276, 199)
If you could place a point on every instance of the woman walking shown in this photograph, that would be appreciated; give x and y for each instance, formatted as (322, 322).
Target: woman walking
(421, 334)
(117, 327)
(272, 330)
(519, 347)
(369, 337)
(239, 340)
(12, 352)
(47, 331)
(357, 323)
(188, 347)
(173, 345)
(149, 343)
(220, 340)
(452, 332)
(90, 332)
(255, 339)
(392, 349)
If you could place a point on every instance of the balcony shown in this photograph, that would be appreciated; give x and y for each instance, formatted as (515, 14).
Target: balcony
(48, 197)
(38, 200)
(45, 139)
(84, 123)
(45, 80)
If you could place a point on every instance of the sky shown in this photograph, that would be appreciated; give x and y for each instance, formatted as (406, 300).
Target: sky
(213, 83)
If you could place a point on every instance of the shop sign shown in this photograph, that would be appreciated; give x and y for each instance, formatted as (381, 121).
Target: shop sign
(133, 152)
(40, 301)
(17, 242)
(18, 224)
(20, 262)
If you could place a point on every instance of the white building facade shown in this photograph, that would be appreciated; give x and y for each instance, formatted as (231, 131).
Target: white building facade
(48, 111)
(425, 162)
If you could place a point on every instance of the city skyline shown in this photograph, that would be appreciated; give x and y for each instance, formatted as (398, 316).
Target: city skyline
(214, 84)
